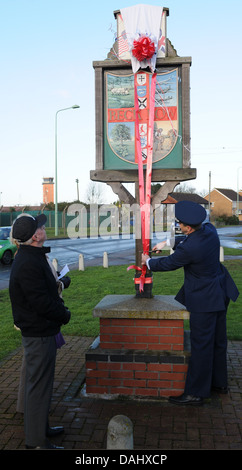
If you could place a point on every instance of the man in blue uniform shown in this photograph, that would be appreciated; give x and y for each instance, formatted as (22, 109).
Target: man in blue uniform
(206, 293)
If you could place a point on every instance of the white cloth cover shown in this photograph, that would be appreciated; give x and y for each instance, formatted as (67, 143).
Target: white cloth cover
(142, 20)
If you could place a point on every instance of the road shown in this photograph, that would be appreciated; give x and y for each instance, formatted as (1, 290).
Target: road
(66, 251)
(227, 236)
(120, 250)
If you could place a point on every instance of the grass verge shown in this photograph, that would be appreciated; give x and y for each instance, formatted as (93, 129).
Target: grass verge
(90, 286)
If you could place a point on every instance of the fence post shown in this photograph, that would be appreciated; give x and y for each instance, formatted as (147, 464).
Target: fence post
(221, 254)
(55, 263)
(120, 433)
(105, 259)
(81, 262)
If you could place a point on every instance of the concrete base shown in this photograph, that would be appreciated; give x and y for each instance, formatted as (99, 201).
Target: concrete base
(128, 306)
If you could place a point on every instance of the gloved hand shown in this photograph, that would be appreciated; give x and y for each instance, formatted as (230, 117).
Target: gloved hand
(66, 281)
(68, 316)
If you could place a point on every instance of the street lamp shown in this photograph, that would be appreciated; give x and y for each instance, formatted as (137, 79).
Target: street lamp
(238, 190)
(77, 187)
(75, 106)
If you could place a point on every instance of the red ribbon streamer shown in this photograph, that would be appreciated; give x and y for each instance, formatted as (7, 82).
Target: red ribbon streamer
(149, 157)
(145, 193)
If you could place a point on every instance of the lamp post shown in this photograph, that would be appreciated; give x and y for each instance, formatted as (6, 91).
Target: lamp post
(77, 187)
(75, 106)
(238, 190)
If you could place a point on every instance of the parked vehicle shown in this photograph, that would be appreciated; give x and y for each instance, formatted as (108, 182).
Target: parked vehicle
(177, 227)
(7, 249)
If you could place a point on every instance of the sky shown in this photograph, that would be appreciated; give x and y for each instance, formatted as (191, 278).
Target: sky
(47, 49)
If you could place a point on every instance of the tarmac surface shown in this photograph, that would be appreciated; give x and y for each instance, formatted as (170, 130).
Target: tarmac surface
(159, 425)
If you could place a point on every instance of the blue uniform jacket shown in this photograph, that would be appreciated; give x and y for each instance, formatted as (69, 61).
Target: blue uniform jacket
(208, 286)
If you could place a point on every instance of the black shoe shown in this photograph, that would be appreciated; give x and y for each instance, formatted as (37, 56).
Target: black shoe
(54, 431)
(47, 446)
(186, 400)
(33, 448)
(222, 390)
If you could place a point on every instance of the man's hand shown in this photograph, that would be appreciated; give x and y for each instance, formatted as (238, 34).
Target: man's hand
(159, 246)
(68, 316)
(144, 258)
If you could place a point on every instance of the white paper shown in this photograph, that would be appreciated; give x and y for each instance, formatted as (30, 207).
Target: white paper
(142, 20)
(64, 271)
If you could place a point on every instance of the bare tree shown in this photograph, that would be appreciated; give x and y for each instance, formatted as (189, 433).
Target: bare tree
(184, 188)
(94, 193)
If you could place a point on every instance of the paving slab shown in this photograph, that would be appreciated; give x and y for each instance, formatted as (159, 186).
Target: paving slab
(157, 424)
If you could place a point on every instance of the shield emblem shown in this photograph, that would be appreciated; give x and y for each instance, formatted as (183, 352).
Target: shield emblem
(142, 103)
(143, 129)
(141, 91)
(141, 78)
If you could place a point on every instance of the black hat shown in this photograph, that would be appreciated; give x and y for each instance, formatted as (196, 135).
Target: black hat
(190, 213)
(25, 226)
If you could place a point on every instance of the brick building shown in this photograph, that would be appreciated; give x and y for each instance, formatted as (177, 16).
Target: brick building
(225, 202)
(48, 190)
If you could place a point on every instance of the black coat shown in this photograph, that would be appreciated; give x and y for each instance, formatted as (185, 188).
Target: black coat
(37, 308)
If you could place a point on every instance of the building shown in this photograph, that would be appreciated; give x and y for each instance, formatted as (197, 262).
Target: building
(225, 202)
(177, 196)
(48, 190)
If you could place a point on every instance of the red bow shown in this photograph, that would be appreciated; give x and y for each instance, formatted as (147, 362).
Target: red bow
(143, 48)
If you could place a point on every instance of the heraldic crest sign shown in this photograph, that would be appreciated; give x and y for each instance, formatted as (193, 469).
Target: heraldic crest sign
(120, 116)
(142, 95)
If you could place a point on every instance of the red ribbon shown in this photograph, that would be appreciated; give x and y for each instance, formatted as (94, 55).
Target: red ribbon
(145, 193)
(148, 280)
(142, 279)
(134, 267)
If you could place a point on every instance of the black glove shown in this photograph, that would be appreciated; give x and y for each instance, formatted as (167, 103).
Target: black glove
(68, 316)
(66, 281)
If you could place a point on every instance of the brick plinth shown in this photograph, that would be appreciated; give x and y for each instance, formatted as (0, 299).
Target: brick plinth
(141, 351)
(135, 373)
(147, 334)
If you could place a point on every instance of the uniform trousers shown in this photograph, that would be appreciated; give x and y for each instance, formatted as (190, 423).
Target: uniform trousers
(40, 357)
(208, 361)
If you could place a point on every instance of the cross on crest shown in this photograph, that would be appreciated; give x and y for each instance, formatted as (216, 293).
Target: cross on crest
(142, 103)
(141, 78)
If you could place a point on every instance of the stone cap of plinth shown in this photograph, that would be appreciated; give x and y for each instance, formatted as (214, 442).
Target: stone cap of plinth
(129, 306)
